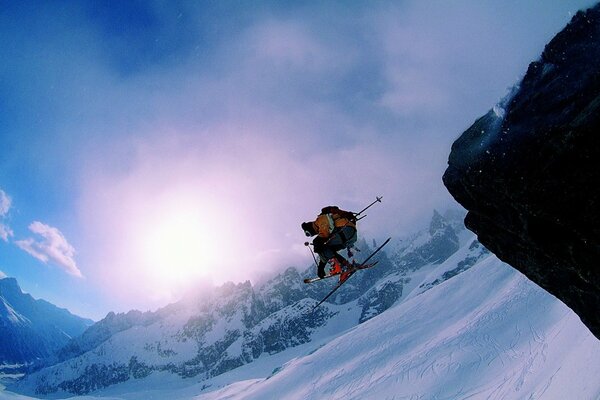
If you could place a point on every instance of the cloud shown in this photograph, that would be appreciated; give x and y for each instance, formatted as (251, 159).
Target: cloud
(2, 275)
(291, 44)
(53, 247)
(5, 204)
(5, 232)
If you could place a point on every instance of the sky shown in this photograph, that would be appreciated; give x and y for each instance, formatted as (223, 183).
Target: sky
(149, 148)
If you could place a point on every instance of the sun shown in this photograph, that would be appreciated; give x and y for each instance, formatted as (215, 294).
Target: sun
(178, 242)
(181, 243)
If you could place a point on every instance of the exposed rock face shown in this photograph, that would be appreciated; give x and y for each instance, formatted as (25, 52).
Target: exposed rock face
(529, 174)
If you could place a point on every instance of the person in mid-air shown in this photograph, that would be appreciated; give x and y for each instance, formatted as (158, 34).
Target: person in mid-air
(335, 230)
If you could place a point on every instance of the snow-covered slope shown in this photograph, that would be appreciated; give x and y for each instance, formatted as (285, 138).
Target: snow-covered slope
(489, 333)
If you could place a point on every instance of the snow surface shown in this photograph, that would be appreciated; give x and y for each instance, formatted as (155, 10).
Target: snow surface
(13, 316)
(487, 333)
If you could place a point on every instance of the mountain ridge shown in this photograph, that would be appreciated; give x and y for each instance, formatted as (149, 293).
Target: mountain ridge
(33, 329)
(233, 325)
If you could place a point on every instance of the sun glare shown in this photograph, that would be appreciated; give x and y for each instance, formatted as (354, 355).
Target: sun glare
(178, 244)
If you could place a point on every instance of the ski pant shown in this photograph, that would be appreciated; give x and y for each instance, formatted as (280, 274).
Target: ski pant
(340, 239)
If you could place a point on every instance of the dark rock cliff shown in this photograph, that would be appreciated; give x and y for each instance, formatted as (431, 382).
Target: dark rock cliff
(529, 172)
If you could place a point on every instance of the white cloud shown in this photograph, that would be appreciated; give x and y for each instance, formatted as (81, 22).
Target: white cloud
(5, 232)
(53, 247)
(5, 204)
(2, 275)
(291, 44)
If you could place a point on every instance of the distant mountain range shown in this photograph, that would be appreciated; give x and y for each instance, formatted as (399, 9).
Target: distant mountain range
(236, 324)
(486, 333)
(33, 329)
(439, 316)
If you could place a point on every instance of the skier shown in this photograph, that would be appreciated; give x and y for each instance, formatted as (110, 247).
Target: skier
(335, 230)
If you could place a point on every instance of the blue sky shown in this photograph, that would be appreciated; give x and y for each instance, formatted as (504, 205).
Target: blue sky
(149, 147)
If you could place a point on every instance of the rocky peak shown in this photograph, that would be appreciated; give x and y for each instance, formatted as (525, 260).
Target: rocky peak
(31, 329)
(9, 287)
(126, 320)
(437, 224)
(431, 246)
(529, 178)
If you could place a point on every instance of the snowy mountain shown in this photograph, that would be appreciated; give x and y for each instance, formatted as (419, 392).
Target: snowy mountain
(488, 333)
(468, 326)
(238, 324)
(31, 329)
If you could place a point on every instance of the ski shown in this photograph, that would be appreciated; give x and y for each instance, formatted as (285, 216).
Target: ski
(357, 267)
(344, 276)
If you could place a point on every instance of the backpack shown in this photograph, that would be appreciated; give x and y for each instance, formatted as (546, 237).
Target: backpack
(337, 213)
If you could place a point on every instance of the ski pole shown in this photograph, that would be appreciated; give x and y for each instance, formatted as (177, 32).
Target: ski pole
(377, 200)
(311, 252)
